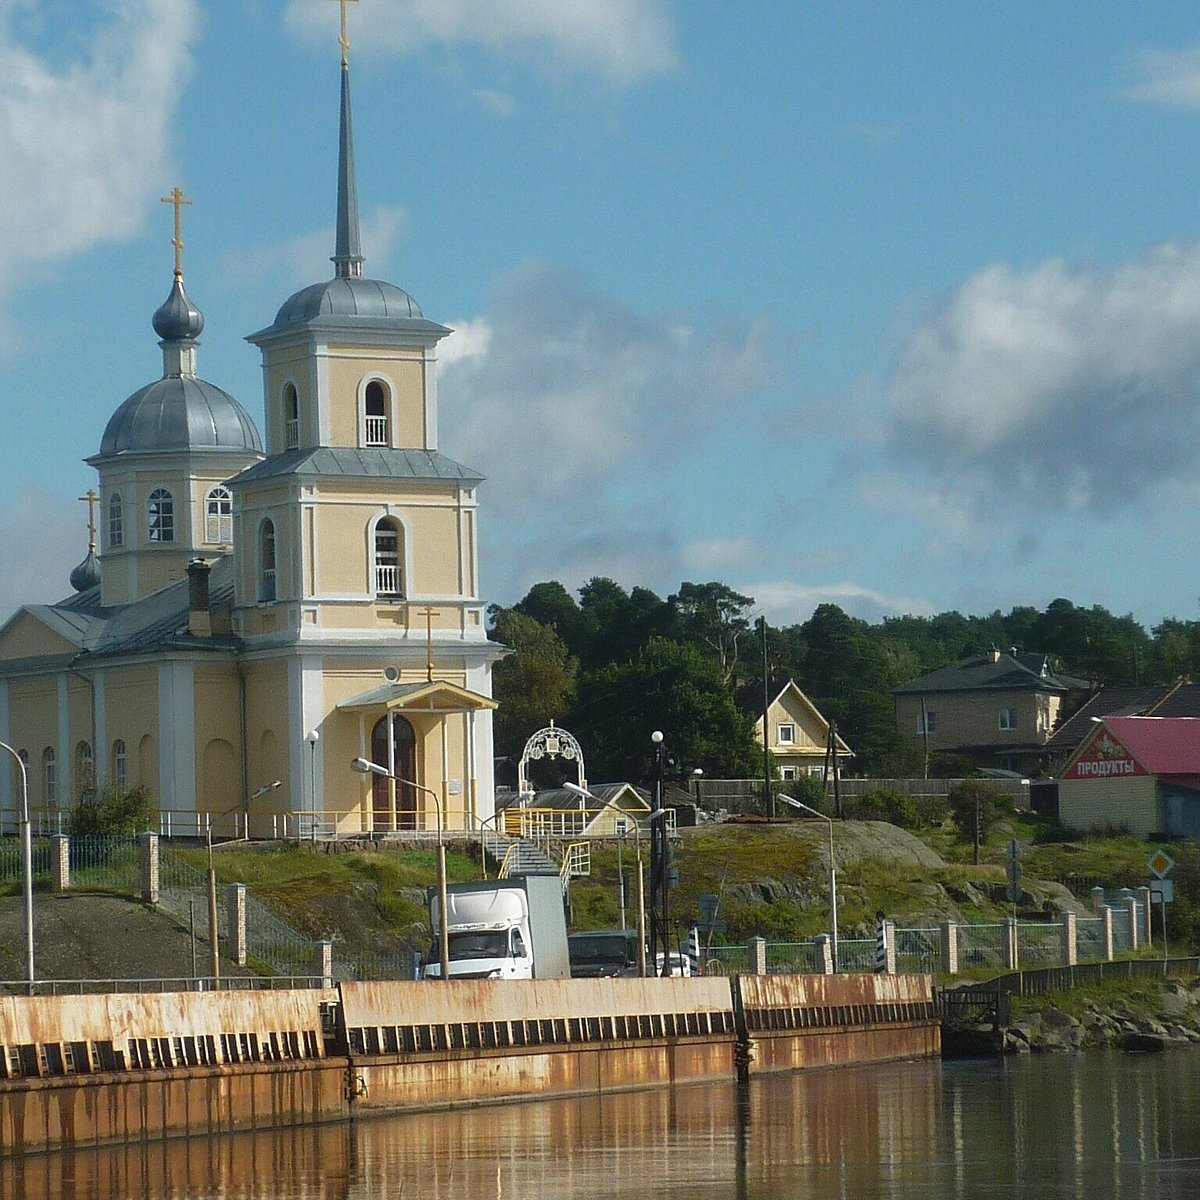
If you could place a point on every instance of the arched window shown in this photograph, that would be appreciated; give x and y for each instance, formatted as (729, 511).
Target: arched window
(389, 558)
(218, 517)
(160, 509)
(266, 561)
(120, 764)
(291, 417)
(116, 521)
(84, 766)
(376, 414)
(50, 777)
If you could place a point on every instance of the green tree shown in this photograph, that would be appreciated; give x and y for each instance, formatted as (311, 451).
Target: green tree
(715, 616)
(675, 688)
(114, 810)
(533, 684)
(974, 801)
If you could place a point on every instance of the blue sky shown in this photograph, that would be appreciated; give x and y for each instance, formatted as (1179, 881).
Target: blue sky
(894, 305)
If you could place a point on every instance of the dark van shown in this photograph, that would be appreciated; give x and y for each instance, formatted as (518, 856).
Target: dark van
(603, 953)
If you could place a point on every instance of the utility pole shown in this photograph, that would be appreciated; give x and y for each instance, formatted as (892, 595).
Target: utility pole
(768, 793)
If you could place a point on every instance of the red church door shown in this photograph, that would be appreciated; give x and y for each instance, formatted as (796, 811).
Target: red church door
(402, 762)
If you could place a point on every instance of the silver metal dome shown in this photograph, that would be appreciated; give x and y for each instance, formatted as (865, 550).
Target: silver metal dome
(180, 413)
(177, 318)
(348, 298)
(87, 574)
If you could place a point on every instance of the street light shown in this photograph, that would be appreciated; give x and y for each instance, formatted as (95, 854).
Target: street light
(833, 914)
(26, 864)
(641, 887)
(365, 767)
(659, 882)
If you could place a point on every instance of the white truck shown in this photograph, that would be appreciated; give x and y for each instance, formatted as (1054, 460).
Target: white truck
(514, 928)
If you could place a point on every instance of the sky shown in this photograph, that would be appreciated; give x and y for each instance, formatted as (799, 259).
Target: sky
(890, 305)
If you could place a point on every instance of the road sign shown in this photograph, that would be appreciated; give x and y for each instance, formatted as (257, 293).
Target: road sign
(1162, 891)
(1160, 864)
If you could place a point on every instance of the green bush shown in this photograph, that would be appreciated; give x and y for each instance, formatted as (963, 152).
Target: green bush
(115, 810)
(898, 808)
(975, 796)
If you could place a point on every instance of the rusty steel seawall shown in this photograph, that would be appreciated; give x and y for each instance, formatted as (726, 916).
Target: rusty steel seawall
(86, 1070)
(797, 1022)
(417, 1046)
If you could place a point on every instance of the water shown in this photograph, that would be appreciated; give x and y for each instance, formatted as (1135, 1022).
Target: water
(1090, 1127)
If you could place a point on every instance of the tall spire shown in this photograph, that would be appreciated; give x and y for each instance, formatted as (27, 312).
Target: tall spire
(347, 256)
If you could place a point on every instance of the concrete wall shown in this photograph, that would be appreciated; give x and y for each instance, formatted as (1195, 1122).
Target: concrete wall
(1131, 802)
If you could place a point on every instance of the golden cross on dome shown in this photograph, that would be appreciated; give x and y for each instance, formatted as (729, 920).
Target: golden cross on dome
(178, 199)
(344, 40)
(91, 500)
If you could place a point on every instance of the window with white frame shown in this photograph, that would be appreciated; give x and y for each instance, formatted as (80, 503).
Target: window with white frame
(927, 721)
(291, 417)
(389, 558)
(375, 408)
(1007, 718)
(160, 513)
(116, 521)
(120, 763)
(788, 773)
(785, 733)
(266, 562)
(218, 517)
(50, 777)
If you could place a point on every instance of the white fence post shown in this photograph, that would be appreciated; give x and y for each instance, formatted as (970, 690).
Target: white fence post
(1070, 940)
(950, 947)
(60, 860)
(150, 868)
(758, 956)
(236, 911)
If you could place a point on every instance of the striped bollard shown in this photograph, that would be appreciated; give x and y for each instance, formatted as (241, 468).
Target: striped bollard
(885, 947)
(693, 950)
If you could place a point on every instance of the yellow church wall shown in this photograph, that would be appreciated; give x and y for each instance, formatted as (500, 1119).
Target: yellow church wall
(159, 568)
(437, 547)
(267, 732)
(218, 738)
(401, 370)
(115, 583)
(130, 716)
(289, 365)
(33, 725)
(27, 637)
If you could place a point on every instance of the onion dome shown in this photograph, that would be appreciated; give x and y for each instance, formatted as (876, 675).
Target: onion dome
(87, 574)
(177, 319)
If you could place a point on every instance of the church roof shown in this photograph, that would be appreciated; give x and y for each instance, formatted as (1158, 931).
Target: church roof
(362, 463)
(180, 412)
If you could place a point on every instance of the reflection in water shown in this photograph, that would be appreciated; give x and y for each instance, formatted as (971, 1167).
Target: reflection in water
(1086, 1127)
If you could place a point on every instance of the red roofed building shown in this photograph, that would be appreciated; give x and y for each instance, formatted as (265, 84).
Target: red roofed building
(1135, 773)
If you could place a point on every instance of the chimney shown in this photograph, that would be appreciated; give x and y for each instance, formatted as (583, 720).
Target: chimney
(199, 617)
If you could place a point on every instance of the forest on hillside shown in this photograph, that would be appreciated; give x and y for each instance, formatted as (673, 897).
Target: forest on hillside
(612, 665)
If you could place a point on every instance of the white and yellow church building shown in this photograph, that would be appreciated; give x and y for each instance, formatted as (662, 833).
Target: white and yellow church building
(262, 611)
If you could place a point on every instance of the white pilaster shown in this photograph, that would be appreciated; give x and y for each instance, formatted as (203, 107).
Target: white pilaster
(431, 404)
(177, 736)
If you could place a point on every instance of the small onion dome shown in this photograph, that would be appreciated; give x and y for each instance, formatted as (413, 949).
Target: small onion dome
(177, 318)
(87, 574)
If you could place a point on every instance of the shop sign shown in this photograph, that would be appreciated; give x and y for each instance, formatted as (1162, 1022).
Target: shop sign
(1105, 758)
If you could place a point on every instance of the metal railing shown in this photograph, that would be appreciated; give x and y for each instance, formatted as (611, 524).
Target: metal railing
(229, 983)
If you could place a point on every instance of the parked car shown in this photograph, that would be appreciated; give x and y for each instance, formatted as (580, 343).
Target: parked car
(680, 965)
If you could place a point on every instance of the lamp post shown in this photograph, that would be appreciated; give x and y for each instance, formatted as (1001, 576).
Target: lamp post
(312, 738)
(26, 864)
(211, 882)
(641, 888)
(833, 911)
(659, 883)
(365, 767)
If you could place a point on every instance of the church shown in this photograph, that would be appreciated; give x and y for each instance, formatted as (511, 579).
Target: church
(257, 611)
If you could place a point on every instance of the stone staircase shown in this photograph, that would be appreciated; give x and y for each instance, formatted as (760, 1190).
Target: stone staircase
(526, 859)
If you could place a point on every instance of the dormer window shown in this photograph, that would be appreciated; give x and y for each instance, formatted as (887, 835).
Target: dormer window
(389, 566)
(116, 522)
(218, 517)
(291, 417)
(160, 511)
(376, 405)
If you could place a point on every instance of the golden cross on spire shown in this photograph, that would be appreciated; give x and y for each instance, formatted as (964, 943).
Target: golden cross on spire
(178, 199)
(91, 500)
(428, 614)
(344, 40)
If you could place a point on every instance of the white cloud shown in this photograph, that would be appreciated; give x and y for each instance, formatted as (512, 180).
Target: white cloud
(43, 538)
(622, 41)
(84, 143)
(718, 556)
(305, 257)
(498, 103)
(1058, 386)
(1168, 77)
(788, 603)
(571, 402)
